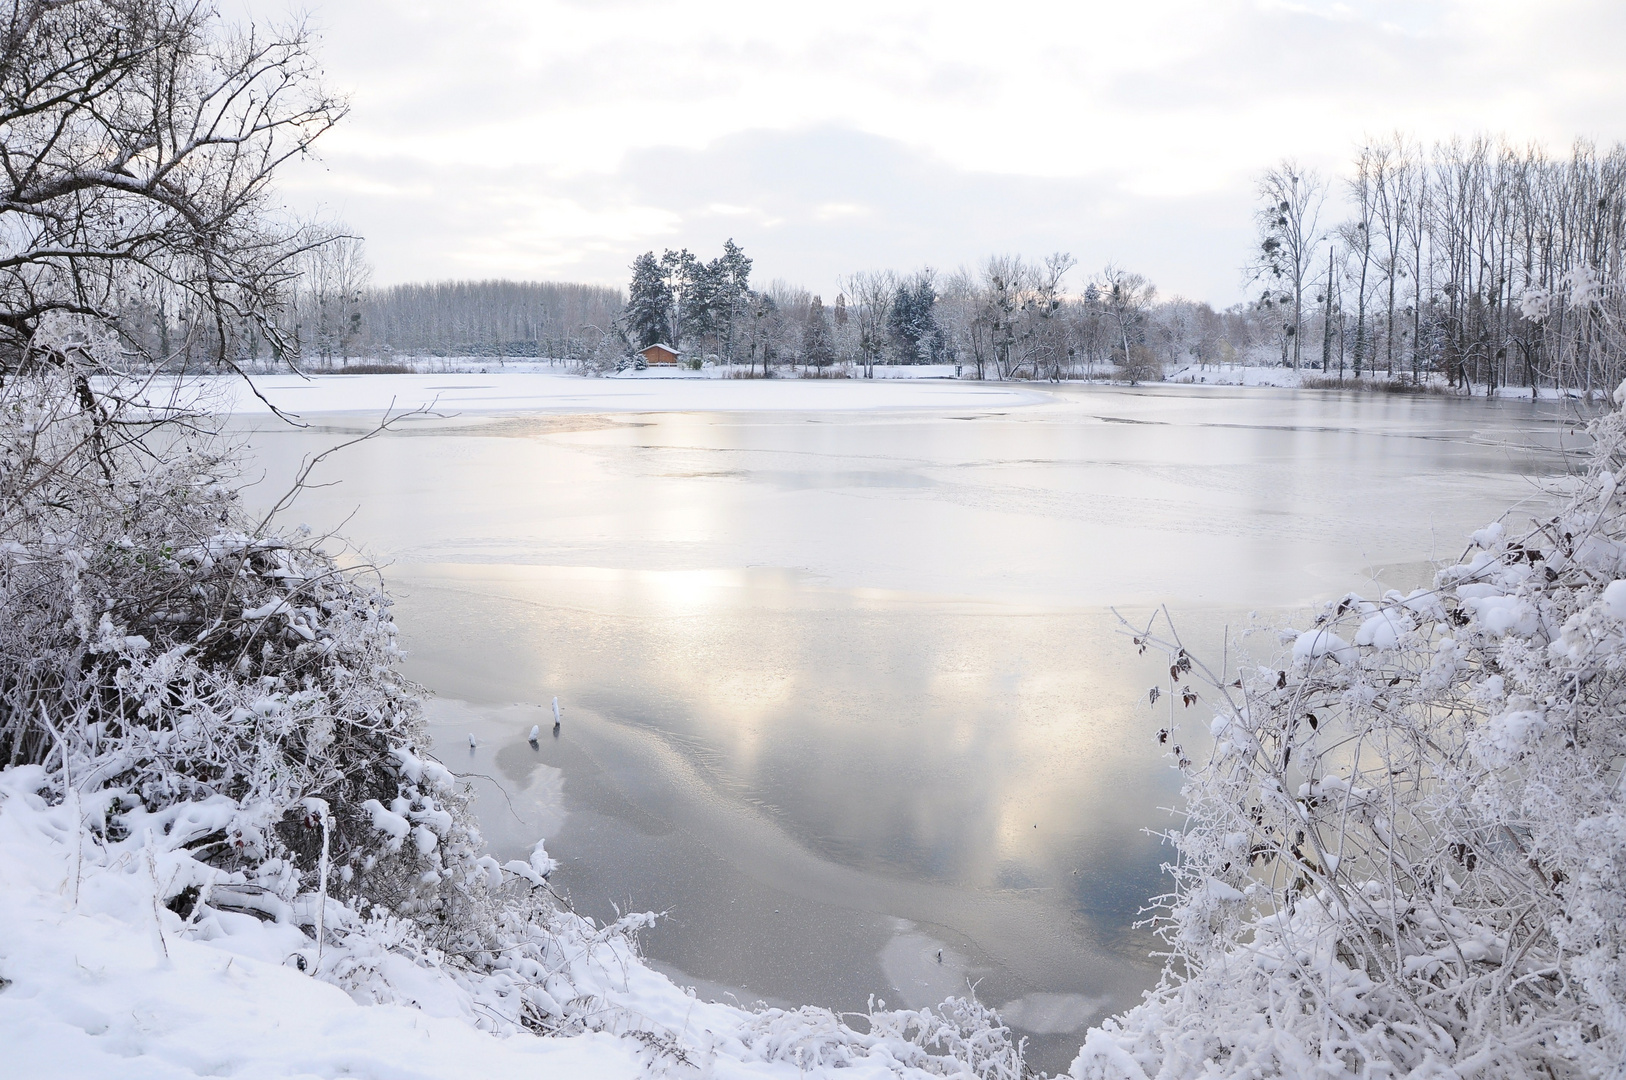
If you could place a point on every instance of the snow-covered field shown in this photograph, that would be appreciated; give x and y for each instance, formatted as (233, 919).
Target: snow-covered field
(544, 391)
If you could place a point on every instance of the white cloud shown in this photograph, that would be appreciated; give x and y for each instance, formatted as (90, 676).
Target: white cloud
(533, 138)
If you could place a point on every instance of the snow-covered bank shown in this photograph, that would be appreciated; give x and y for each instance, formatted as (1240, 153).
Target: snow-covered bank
(543, 392)
(1405, 852)
(1197, 375)
(1312, 378)
(101, 977)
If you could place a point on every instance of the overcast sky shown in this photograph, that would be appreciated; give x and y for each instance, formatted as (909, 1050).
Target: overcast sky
(557, 139)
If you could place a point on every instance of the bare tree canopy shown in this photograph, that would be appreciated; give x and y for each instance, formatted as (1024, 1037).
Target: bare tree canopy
(1290, 203)
(137, 139)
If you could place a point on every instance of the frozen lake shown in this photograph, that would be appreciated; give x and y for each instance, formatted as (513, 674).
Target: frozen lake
(842, 688)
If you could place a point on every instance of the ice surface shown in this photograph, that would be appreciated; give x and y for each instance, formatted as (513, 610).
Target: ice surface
(537, 391)
(826, 670)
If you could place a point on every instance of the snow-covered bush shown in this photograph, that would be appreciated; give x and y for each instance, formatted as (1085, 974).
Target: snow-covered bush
(210, 693)
(1405, 853)
(160, 644)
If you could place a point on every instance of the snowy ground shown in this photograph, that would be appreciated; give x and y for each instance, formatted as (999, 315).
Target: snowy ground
(1287, 378)
(491, 365)
(1236, 376)
(109, 984)
(98, 978)
(547, 391)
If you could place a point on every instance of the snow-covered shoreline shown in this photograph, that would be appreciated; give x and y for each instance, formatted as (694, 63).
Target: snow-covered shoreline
(538, 388)
(100, 977)
(535, 391)
(1312, 378)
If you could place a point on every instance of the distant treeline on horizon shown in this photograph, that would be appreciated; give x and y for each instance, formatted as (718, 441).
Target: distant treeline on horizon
(1476, 260)
(479, 318)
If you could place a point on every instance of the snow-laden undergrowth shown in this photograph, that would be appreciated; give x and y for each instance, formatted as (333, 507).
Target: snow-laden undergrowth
(208, 754)
(106, 974)
(1405, 854)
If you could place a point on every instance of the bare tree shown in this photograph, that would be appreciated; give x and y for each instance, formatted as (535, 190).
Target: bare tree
(872, 293)
(139, 137)
(1125, 299)
(964, 319)
(1413, 201)
(1389, 161)
(1291, 198)
(1357, 237)
(1004, 279)
(1049, 337)
(1328, 301)
(331, 297)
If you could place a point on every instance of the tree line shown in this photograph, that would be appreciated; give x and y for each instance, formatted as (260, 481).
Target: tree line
(1007, 318)
(330, 314)
(338, 315)
(1474, 262)
(1487, 263)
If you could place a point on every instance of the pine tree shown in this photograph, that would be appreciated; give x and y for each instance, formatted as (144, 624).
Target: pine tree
(647, 317)
(817, 347)
(678, 271)
(732, 274)
(701, 291)
(913, 321)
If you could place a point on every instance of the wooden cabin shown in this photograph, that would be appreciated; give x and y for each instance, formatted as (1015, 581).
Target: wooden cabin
(659, 354)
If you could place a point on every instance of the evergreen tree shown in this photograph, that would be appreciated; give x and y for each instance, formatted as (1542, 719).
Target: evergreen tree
(701, 295)
(732, 274)
(913, 321)
(713, 296)
(678, 272)
(647, 317)
(677, 298)
(817, 347)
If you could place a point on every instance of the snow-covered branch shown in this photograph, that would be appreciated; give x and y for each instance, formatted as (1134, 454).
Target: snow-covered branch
(1406, 849)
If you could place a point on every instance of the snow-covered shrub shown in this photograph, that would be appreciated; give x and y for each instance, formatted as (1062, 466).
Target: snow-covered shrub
(158, 643)
(223, 696)
(1405, 853)
(963, 1039)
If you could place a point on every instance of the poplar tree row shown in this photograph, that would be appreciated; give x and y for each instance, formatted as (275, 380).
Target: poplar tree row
(1490, 264)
